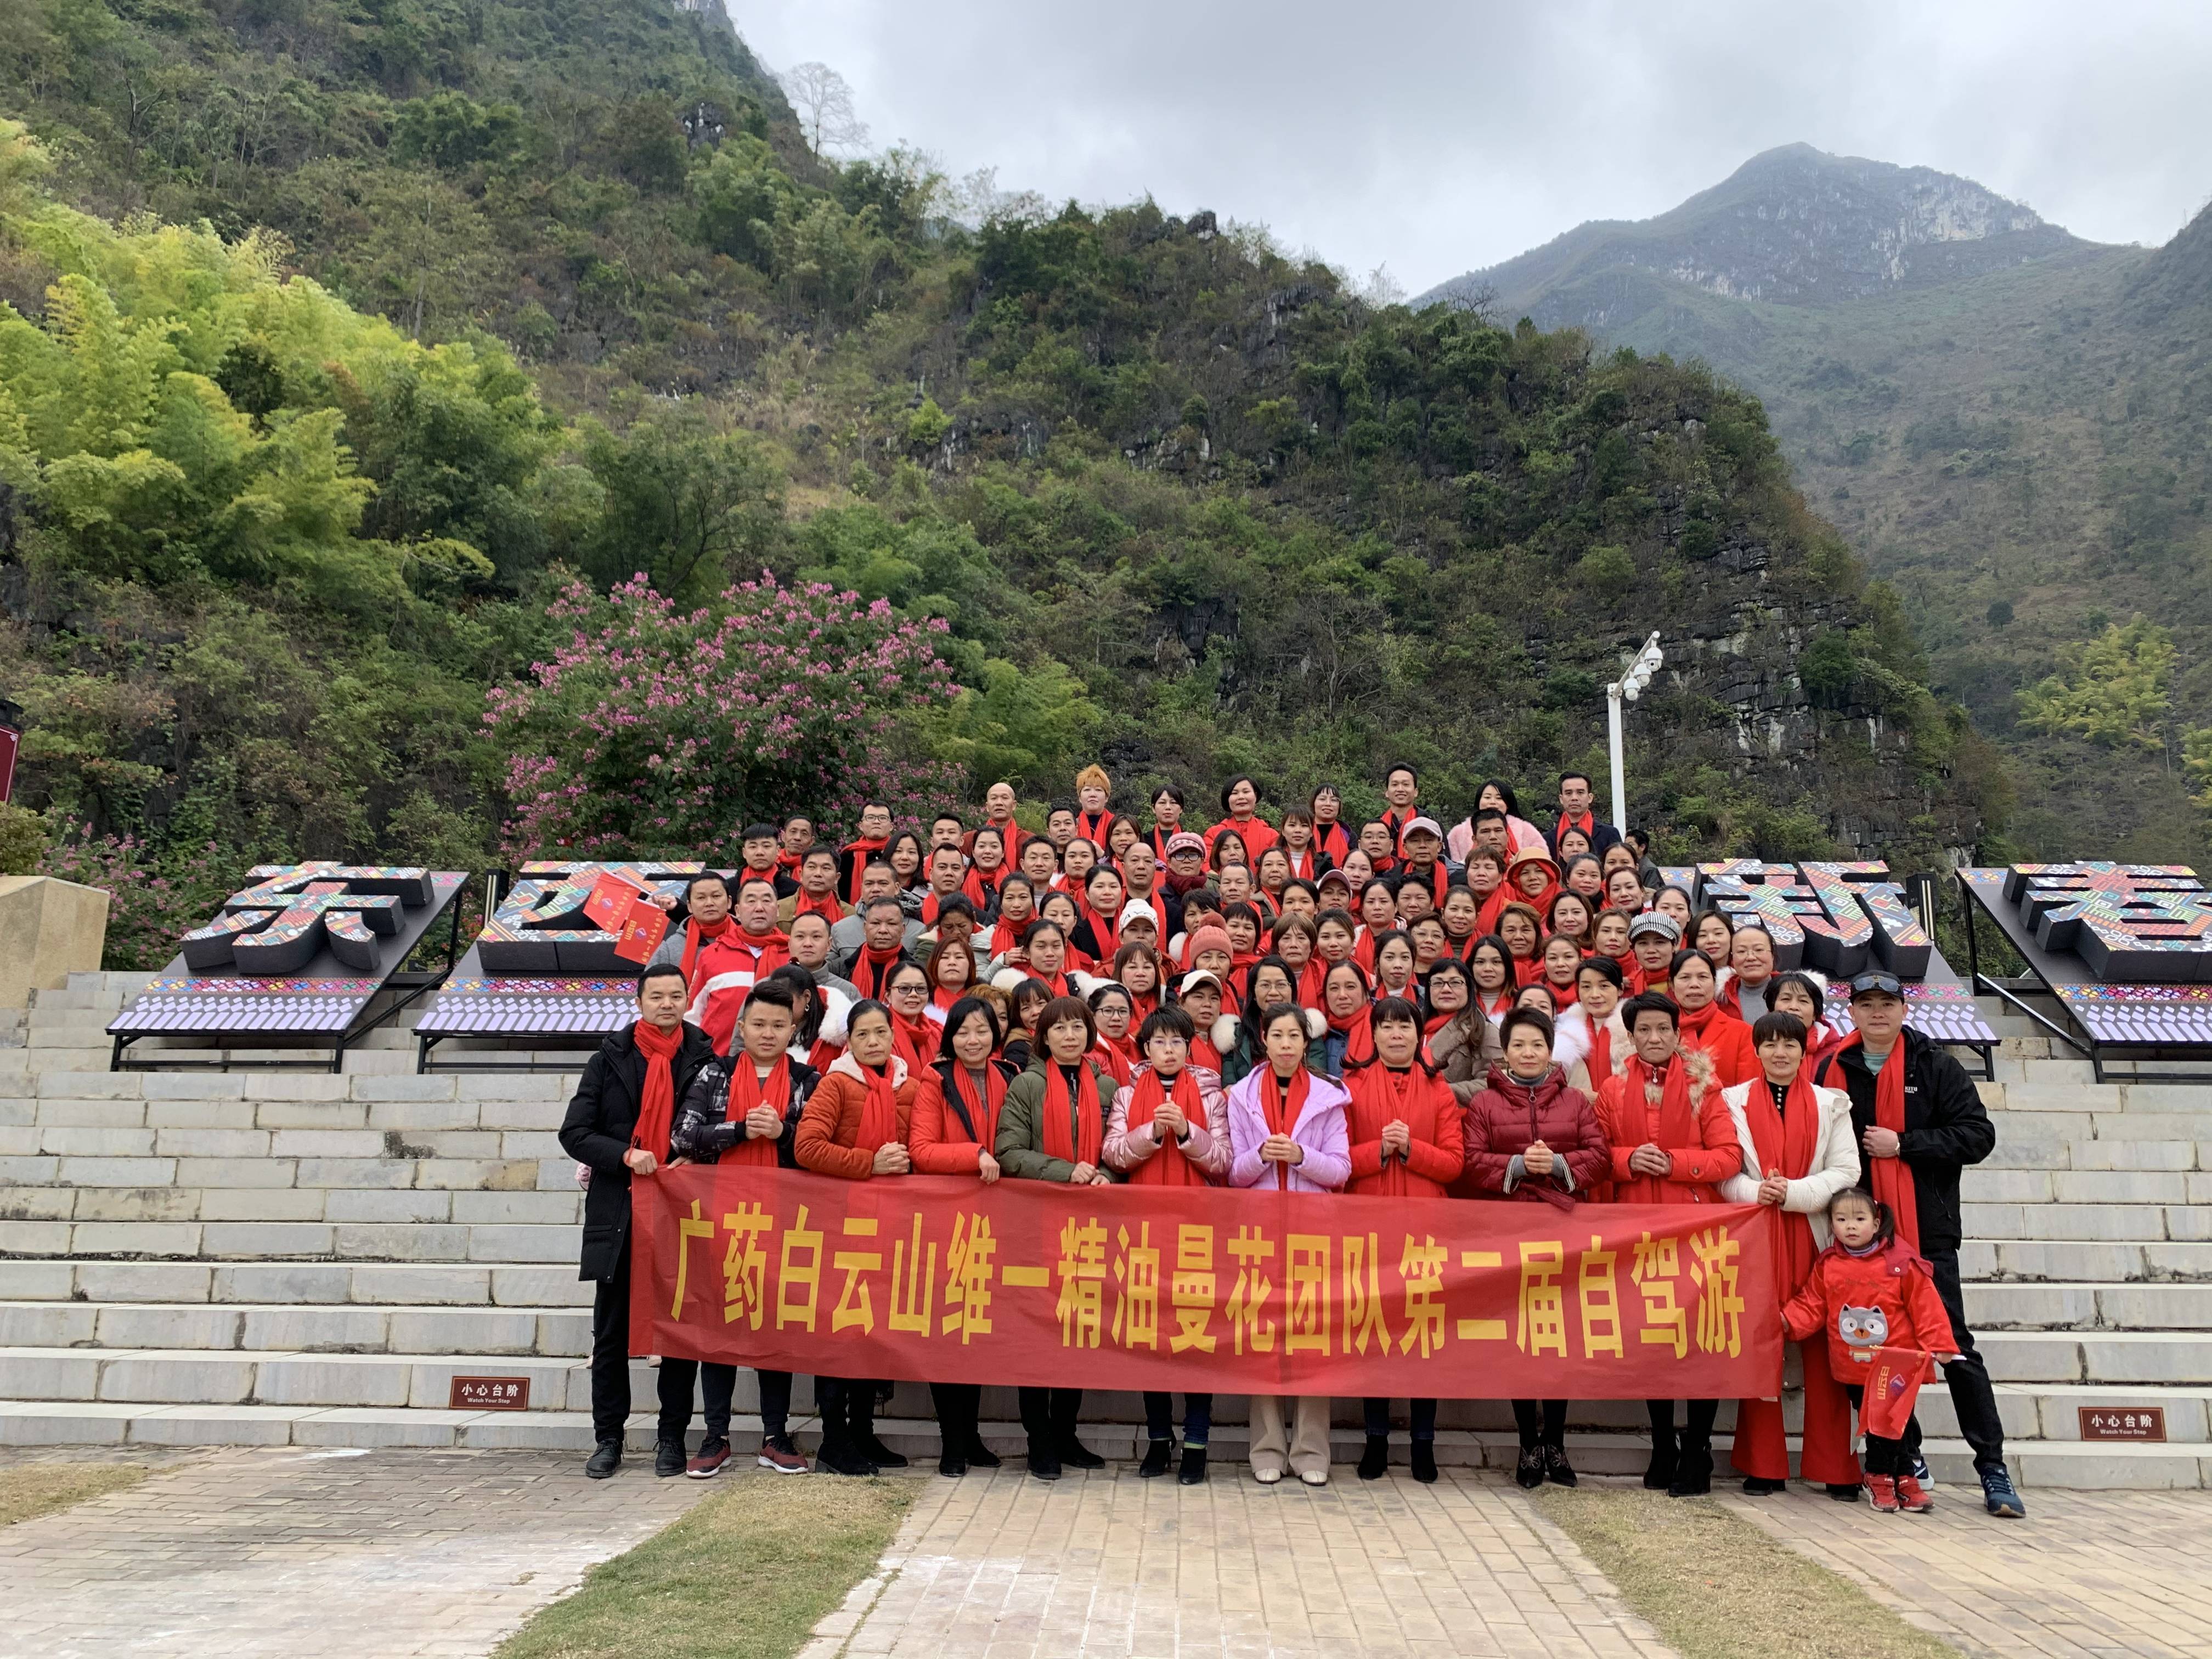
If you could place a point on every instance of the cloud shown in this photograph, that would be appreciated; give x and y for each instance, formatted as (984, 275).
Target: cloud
(1437, 137)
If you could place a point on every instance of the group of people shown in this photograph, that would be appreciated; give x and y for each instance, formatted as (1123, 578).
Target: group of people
(1502, 1010)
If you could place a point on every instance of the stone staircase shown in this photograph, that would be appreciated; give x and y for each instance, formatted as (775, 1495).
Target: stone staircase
(307, 1259)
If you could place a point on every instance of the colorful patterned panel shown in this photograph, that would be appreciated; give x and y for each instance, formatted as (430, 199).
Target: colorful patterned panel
(2179, 1015)
(1946, 1013)
(1899, 942)
(1813, 913)
(532, 1008)
(282, 922)
(2130, 923)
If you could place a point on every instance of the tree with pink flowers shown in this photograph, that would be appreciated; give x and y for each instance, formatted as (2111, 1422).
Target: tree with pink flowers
(658, 732)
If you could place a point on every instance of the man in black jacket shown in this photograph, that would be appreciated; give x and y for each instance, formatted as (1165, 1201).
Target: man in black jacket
(598, 1131)
(1945, 1128)
(746, 1108)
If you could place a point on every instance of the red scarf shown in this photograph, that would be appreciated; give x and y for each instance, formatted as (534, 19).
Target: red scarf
(656, 1104)
(979, 1118)
(1358, 1034)
(1159, 839)
(747, 1091)
(1784, 1142)
(915, 1040)
(1305, 864)
(859, 851)
(1587, 824)
(1168, 1166)
(1060, 1113)
(695, 936)
(824, 905)
(879, 1124)
(1116, 1057)
(982, 886)
(873, 968)
(1107, 934)
(1309, 981)
(1892, 1176)
(1203, 1052)
(789, 862)
(1397, 822)
(1333, 839)
(1093, 827)
(1493, 1004)
(1526, 970)
(1600, 1054)
(1056, 983)
(1381, 1096)
(1696, 1023)
(1282, 1108)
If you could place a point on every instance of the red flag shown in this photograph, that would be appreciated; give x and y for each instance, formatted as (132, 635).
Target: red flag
(609, 906)
(642, 930)
(1890, 1391)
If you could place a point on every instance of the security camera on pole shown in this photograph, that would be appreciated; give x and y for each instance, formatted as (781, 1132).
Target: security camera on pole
(1625, 689)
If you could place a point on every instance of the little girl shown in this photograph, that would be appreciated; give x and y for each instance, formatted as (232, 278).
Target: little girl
(1870, 1292)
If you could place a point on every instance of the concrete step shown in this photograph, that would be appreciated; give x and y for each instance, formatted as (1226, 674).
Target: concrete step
(482, 1284)
(2164, 1358)
(2089, 1153)
(550, 1332)
(254, 1241)
(207, 1376)
(561, 1206)
(2054, 1306)
(2142, 1223)
(1982, 1184)
(2060, 1261)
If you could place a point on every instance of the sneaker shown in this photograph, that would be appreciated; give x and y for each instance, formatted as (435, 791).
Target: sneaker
(606, 1459)
(1529, 1472)
(1193, 1472)
(1845, 1494)
(778, 1453)
(1758, 1485)
(711, 1454)
(1912, 1497)
(1999, 1495)
(1267, 1477)
(668, 1459)
(1881, 1493)
(1424, 1462)
(1557, 1469)
(1313, 1476)
(1376, 1459)
(1920, 1472)
(1157, 1454)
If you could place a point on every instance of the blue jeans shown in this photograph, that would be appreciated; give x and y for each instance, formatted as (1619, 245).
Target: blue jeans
(1197, 1417)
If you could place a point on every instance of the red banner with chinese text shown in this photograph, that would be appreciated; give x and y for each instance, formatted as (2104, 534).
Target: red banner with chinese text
(944, 1280)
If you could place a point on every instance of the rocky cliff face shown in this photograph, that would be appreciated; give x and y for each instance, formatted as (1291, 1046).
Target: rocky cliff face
(1791, 226)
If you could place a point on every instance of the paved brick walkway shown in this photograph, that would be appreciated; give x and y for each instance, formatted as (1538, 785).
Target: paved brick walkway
(283, 1553)
(1003, 1567)
(2087, 1574)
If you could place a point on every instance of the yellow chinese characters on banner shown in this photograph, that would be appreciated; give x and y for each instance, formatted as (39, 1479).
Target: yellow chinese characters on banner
(940, 1279)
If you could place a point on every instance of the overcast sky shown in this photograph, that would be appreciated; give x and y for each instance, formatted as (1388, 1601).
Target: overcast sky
(1435, 137)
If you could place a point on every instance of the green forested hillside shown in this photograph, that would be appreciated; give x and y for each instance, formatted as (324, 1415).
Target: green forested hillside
(2012, 425)
(337, 337)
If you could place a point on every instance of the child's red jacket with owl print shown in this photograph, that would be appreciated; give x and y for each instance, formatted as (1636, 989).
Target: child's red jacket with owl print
(1885, 1299)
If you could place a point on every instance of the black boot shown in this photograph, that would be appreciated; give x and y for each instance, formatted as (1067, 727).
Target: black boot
(979, 1455)
(1376, 1459)
(1193, 1472)
(838, 1454)
(606, 1459)
(1424, 1462)
(861, 1424)
(1659, 1476)
(1044, 1459)
(1758, 1485)
(1694, 1470)
(1067, 1407)
(1157, 1454)
(1557, 1469)
(1529, 1472)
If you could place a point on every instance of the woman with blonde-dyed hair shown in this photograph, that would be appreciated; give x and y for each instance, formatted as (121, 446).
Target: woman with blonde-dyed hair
(1094, 820)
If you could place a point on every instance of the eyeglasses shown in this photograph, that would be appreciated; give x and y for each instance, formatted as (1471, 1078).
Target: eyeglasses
(1887, 983)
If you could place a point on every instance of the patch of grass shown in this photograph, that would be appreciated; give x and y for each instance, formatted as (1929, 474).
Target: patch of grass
(1717, 1587)
(29, 1489)
(745, 1575)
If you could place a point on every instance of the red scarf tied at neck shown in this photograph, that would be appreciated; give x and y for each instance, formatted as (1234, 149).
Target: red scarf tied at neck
(880, 1125)
(873, 971)
(1072, 1132)
(697, 935)
(748, 1089)
(1781, 1144)
(656, 1107)
(1892, 1176)
(1282, 1107)
(1168, 1166)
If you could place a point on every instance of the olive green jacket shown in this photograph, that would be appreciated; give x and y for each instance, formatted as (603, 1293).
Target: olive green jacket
(1020, 1150)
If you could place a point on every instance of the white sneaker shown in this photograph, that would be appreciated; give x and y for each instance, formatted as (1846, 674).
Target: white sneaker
(1266, 1477)
(1315, 1477)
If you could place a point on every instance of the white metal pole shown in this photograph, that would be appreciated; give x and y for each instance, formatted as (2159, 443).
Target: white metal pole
(1620, 786)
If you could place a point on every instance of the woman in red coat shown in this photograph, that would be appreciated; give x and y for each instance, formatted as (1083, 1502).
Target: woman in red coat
(1708, 1026)
(1531, 1138)
(1405, 1129)
(954, 1125)
(1673, 1141)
